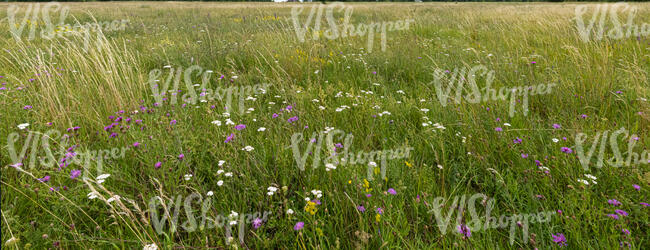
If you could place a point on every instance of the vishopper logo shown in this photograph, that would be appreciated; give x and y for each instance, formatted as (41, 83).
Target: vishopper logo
(171, 214)
(345, 29)
(67, 155)
(344, 156)
(605, 21)
(444, 81)
(207, 92)
(600, 141)
(41, 18)
(477, 224)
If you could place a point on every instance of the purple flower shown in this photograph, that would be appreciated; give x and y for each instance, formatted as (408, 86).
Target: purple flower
(75, 173)
(361, 208)
(27, 107)
(614, 216)
(44, 179)
(158, 165)
(645, 204)
(464, 230)
(625, 231)
(275, 115)
(380, 210)
(173, 122)
(181, 156)
(136, 144)
(289, 108)
(257, 223)
(559, 239)
(299, 226)
(621, 212)
(229, 138)
(637, 187)
(498, 129)
(392, 191)
(240, 127)
(556, 126)
(566, 150)
(517, 141)
(583, 116)
(524, 156)
(292, 119)
(614, 202)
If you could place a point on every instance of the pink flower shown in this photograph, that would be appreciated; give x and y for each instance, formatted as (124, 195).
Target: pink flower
(392, 191)
(299, 226)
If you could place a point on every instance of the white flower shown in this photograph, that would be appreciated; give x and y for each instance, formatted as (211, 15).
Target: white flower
(220, 171)
(555, 140)
(151, 246)
(439, 166)
(188, 177)
(216, 122)
(229, 122)
(329, 166)
(307, 199)
(219, 183)
(210, 193)
(424, 110)
(321, 107)
(234, 222)
(226, 114)
(115, 197)
(229, 174)
(372, 164)
(248, 148)
(270, 193)
(289, 211)
(400, 91)
(506, 124)
(23, 126)
(261, 129)
(221, 162)
(92, 195)
(590, 176)
(583, 181)
(272, 189)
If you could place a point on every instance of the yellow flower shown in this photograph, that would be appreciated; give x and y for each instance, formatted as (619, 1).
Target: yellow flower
(378, 217)
(408, 164)
(311, 208)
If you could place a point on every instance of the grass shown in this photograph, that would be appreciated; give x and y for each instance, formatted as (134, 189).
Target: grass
(256, 42)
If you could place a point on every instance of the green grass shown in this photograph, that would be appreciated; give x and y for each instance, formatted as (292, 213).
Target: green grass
(257, 43)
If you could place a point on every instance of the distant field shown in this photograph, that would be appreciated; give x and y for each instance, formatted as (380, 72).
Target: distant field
(164, 125)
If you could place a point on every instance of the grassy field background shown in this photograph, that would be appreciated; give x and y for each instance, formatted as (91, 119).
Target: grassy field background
(602, 85)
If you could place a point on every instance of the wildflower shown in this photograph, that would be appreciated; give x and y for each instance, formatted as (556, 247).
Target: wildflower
(289, 211)
(559, 239)
(645, 204)
(240, 127)
(210, 193)
(257, 223)
(229, 138)
(293, 119)
(181, 156)
(566, 150)
(498, 129)
(275, 115)
(261, 129)
(637, 187)
(173, 122)
(378, 217)
(524, 156)
(299, 226)
(614, 216)
(621, 212)
(23, 126)
(220, 183)
(75, 173)
(556, 126)
(158, 165)
(392, 191)
(614, 202)
(136, 144)
(248, 148)
(44, 179)
(464, 230)
(361, 208)
(408, 164)
(311, 207)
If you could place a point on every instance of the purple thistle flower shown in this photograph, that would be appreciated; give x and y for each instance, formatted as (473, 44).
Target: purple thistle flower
(44, 179)
(621, 212)
(464, 230)
(257, 223)
(392, 191)
(614, 202)
(556, 126)
(173, 122)
(181, 156)
(524, 156)
(645, 204)
(361, 208)
(299, 226)
(614, 216)
(229, 138)
(292, 119)
(275, 115)
(240, 127)
(136, 144)
(566, 150)
(498, 129)
(75, 173)
(637, 187)
(158, 165)
(559, 239)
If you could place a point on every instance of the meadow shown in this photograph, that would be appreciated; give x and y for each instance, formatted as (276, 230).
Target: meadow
(164, 125)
